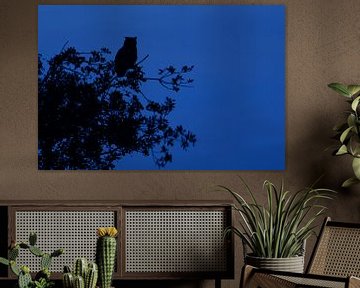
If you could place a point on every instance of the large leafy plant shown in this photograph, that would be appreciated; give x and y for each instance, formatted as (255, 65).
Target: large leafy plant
(279, 229)
(348, 132)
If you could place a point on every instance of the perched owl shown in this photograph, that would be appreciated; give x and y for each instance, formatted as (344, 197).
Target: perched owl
(126, 57)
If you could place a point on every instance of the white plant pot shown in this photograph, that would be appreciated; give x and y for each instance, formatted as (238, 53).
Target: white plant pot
(291, 264)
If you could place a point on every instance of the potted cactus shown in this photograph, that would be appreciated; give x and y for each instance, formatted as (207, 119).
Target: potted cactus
(84, 275)
(42, 278)
(106, 254)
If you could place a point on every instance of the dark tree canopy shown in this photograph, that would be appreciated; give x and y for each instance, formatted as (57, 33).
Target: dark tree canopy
(89, 118)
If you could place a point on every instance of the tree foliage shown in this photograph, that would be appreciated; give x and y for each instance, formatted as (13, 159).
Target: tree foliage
(89, 118)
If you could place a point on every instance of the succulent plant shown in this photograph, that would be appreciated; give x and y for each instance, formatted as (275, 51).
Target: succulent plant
(42, 278)
(106, 254)
(85, 275)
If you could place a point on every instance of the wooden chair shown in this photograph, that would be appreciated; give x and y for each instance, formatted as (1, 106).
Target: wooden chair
(335, 262)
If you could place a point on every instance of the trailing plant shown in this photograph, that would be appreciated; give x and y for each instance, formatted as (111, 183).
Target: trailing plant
(42, 278)
(279, 229)
(106, 254)
(85, 275)
(348, 132)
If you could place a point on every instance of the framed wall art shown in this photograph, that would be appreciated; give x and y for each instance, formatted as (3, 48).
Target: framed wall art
(174, 87)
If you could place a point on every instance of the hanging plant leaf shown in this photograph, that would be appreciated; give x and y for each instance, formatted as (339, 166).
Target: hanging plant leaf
(342, 150)
(356, 167)
(355, 103)
(340, 88)
(349, 182)
(353, 89)
(345, 134)
(351, 120)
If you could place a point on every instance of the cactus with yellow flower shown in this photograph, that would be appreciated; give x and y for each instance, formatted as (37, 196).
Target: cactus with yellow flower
(106, 254)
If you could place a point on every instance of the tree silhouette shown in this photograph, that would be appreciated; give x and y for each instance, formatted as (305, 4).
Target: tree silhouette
(89, 118)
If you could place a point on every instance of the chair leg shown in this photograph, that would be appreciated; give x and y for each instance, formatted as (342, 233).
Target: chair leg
(246, 274)
(217, 283)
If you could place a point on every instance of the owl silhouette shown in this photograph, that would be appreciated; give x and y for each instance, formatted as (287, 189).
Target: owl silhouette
(126, 57)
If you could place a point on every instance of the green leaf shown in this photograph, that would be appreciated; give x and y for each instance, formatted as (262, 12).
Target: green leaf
(4, 261)
(349, 182)
(14, 268)
(355, 103)
(342, 150)
(354, 145)
(356, 167)
(351, 120)
(340, 88)
(353, 89)
(345, 134)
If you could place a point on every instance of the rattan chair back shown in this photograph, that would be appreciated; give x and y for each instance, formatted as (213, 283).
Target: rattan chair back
(337, 252)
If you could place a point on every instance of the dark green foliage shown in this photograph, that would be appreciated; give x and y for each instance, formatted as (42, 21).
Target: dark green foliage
(24, 246)
(32, 239)
(44, 273)
(57, 252)
(89, 118)
(42, 283)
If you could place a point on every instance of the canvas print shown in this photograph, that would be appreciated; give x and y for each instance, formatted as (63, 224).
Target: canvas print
(169, 87)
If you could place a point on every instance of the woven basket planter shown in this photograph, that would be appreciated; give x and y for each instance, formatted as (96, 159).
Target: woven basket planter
(291, 264)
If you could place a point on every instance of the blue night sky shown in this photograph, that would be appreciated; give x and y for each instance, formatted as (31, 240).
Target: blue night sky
(236, 107)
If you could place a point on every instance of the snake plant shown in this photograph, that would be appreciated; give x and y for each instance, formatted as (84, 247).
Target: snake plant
(279, 228)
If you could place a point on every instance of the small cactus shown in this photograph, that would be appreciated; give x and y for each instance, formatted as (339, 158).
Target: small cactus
(68, 280)
(106, 254)
(36, 251)
(84, 274)
(80, 268)
(45, 261)
(79, 282)
(24, 277)
(23, 273)
(91, 276)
